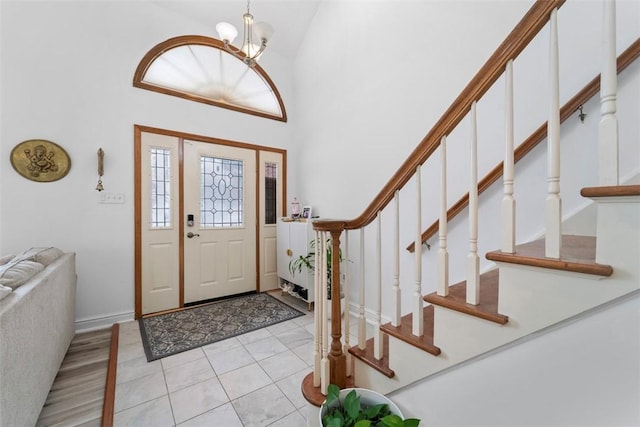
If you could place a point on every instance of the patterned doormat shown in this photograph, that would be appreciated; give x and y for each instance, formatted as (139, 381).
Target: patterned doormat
(171, 333)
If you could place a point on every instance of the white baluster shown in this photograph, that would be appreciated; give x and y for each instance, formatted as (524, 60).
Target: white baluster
(418, 313)
(508, 202)
(473, 261)
(317, 318)
(608, 157)
(397, 292)
(554, 203)
(321, 247)
(377, 336)
(347, 326)
(362, 320)
(443, 255)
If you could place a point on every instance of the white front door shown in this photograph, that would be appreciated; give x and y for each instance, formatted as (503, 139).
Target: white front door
(220, 221)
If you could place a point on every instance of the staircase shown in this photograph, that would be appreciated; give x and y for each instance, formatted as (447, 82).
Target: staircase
(535, 291)
(529, 288)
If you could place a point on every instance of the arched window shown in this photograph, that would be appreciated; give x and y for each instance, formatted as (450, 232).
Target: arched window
(199, 69)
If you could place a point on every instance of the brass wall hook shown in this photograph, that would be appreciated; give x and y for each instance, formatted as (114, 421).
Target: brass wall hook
(99, 187)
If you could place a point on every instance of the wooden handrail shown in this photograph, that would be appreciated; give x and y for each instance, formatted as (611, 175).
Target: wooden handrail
(528, 27)
(624, 60)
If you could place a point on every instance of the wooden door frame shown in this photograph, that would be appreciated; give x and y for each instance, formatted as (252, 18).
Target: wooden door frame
(137, 191)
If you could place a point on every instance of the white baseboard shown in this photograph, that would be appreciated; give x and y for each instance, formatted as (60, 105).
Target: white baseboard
(369, 314)
(102, 322)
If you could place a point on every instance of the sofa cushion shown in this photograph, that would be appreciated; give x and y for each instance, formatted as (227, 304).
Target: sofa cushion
(5, 259)
(16, 273)
(47, 255)
(4, 292)
(44, 256)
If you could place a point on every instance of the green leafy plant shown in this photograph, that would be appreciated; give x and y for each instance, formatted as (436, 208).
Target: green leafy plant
(350, 413)
(308, 261)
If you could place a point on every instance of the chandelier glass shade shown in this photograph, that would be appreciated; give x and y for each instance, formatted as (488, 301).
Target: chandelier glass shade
(255, 37)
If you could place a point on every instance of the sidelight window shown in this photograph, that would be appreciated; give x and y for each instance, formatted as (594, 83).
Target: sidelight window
(160, 188)
(270, 192)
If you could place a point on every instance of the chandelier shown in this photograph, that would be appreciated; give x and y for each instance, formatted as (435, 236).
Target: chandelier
(249, 52)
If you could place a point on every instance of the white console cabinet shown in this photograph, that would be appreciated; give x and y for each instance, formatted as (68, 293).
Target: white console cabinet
(293, 239)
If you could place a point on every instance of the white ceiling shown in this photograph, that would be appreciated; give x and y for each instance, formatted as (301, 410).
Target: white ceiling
(289, 18)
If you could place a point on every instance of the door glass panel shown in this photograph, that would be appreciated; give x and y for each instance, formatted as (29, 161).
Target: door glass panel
(222, 192)
(270, 192)
(160, 188)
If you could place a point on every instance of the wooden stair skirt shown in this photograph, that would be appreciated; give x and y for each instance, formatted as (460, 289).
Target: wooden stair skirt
(577, 255)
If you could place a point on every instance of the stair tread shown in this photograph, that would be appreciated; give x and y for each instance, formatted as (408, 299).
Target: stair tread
(577, 254)
(404, 332)
(611, 191)
(487, 307)
(366, 355)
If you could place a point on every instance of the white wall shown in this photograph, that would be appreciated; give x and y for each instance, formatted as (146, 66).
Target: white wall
(67, 70)
(372, 77)
(582, 374)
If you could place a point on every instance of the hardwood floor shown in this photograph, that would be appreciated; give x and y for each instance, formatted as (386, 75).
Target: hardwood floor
(77, 395)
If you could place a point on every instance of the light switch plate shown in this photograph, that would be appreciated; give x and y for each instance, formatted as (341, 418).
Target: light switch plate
(111, 198)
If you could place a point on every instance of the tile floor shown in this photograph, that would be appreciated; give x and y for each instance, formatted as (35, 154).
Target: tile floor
(249, 380)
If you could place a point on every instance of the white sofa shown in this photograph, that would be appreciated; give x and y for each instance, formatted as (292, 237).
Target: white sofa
(37, 323)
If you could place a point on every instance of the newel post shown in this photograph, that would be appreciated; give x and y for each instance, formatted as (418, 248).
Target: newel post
(337, 359)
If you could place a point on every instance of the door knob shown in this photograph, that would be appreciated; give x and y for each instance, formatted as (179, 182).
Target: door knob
(192, 235)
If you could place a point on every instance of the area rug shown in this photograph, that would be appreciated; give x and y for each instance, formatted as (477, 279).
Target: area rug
(172, 333)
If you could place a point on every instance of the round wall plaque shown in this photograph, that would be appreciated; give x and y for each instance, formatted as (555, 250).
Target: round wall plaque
(40, 160)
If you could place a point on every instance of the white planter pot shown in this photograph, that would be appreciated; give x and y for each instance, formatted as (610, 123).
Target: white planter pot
(367, 398)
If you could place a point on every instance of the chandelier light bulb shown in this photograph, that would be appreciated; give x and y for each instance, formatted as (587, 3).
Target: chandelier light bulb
(226, 32)
(263, 31)
(251, 50)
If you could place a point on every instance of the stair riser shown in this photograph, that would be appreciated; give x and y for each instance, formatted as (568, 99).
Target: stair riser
(464, 336)
(619, 234)
(537, 298)
(411, 364)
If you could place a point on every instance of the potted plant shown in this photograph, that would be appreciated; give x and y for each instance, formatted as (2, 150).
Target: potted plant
(308, 261)
(359, 407)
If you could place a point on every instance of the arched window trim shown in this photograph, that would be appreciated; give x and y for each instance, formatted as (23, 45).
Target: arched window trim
(159, 49)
